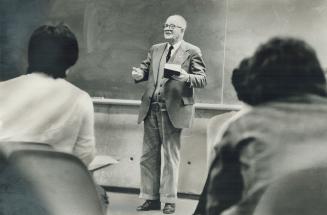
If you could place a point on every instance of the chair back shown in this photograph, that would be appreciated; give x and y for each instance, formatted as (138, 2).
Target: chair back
(35, 182)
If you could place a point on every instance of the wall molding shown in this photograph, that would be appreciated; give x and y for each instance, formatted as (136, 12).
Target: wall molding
(203, 106)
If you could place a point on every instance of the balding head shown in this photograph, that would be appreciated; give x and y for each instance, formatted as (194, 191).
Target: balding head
(174, 28)
(178, 19)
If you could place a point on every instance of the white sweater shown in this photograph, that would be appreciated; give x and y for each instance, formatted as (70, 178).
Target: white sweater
(39, 108)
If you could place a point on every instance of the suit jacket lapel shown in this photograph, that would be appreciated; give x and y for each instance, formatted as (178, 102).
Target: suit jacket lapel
(159, 60)
(180, 55)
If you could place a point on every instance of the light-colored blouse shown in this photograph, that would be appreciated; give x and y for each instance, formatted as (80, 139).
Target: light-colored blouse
(39, 108)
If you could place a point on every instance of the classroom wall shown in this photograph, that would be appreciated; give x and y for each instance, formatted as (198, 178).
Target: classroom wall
(118, 135)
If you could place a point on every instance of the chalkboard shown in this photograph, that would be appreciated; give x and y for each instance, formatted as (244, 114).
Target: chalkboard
(118, 35)
(17, 20)
(115, 35)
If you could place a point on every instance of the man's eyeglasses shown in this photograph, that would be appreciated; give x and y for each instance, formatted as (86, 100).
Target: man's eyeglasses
(171, 26)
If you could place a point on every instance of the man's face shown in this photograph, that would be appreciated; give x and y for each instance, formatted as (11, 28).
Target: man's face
(174, 29)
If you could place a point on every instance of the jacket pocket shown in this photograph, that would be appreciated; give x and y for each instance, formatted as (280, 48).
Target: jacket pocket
(188, 100)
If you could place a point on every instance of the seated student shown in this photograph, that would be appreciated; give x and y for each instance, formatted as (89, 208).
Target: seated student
(283, 130)
(42, 106)
(239, 76)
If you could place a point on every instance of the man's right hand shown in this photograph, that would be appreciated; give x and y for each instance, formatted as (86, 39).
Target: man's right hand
(137, 74)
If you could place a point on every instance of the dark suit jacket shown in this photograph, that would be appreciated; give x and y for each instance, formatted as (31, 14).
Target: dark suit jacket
(178, 95)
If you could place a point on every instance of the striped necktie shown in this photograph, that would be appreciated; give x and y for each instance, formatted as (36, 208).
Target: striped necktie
(169, 53)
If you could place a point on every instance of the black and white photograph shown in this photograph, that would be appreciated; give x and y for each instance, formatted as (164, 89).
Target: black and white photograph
(149, 107)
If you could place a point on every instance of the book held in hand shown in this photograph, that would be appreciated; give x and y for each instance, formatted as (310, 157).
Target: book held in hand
(172, 69)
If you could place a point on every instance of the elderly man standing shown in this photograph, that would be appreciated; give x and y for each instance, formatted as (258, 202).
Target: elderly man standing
(167, 107)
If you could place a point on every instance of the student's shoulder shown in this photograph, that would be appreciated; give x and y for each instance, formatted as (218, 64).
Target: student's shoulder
(75, 91)
(84, 101)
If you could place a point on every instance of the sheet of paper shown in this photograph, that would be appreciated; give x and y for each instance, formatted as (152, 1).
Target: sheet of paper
(101, 161)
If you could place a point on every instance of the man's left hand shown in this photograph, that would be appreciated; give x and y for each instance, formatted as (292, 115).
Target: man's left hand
(183, 77)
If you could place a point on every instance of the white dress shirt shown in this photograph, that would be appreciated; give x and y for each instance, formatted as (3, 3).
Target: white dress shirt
(176, 46)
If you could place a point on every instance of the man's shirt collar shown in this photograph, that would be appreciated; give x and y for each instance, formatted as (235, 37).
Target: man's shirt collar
(177, 45)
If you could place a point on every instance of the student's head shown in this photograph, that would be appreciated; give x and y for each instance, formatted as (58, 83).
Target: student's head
(240, 81)
(174, 28)
(283, 67)
(52, 50)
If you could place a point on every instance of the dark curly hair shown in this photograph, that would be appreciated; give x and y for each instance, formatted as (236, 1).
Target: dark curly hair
(52, 50)
(240, 80)
(280, 68)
